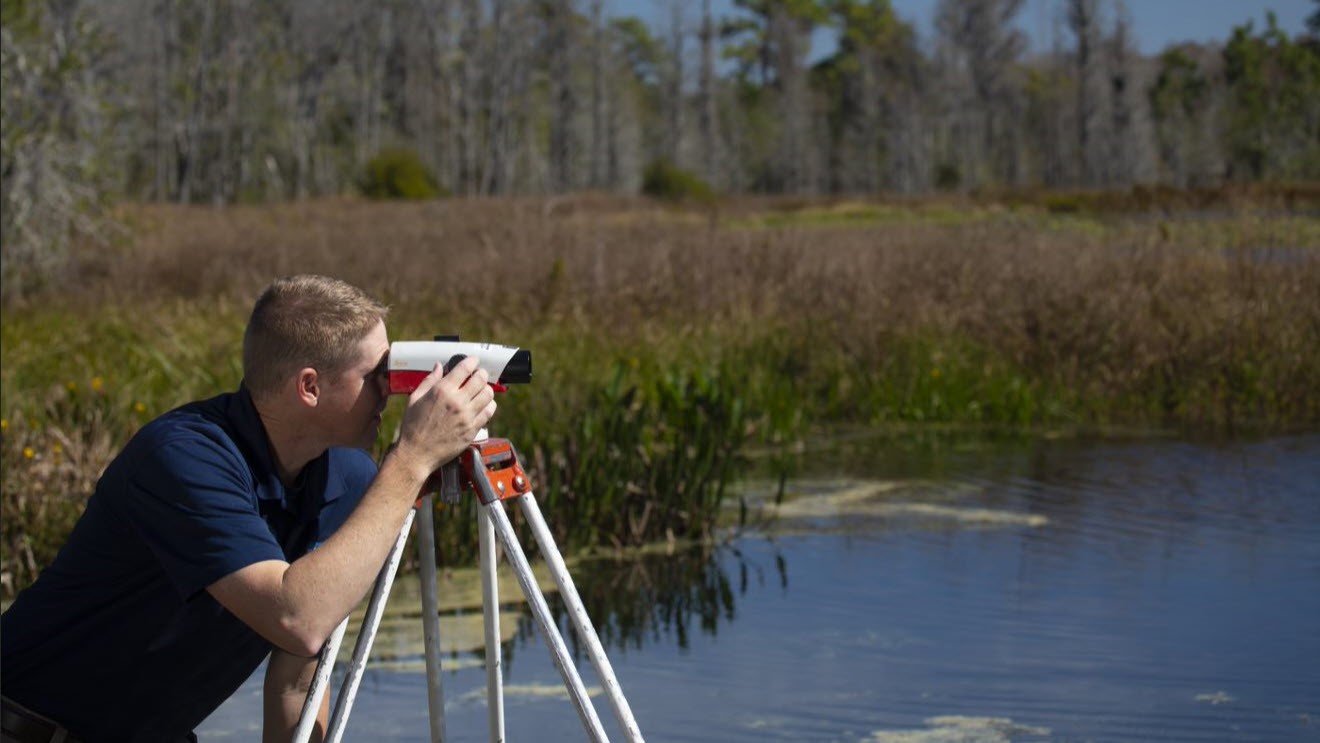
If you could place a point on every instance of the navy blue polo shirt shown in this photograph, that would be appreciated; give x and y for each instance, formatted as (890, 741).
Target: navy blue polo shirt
(118, 638)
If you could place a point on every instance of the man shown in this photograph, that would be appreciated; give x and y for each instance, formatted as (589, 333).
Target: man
(232, 528)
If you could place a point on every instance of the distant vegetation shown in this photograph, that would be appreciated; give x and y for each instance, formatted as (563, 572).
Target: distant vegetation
(715, 240)
(673, 344)
(193, 101)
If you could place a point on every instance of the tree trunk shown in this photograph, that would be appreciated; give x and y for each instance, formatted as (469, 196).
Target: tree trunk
(706, 121)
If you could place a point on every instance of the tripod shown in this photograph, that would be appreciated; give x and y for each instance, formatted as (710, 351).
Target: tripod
(491, 468)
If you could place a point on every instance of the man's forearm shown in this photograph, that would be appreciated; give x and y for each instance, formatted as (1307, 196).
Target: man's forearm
(288, 679)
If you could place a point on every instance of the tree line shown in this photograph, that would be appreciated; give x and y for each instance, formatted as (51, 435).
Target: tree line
(228, 101)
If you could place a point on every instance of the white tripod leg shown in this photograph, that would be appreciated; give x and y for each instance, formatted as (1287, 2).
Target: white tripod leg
(541, 611)
(435, 694)
(490, 601)
(578, 613)
(370, 624)
(324, 665)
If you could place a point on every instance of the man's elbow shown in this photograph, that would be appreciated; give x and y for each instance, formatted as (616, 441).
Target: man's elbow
(261, 597)
(303, 638)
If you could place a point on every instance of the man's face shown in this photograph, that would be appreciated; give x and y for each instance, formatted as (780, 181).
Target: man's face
(355, 398)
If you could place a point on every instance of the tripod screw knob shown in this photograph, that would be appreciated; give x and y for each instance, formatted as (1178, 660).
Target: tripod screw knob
(519, 483)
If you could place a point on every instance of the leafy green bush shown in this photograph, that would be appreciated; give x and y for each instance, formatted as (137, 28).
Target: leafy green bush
(398, 174)
(664, 180)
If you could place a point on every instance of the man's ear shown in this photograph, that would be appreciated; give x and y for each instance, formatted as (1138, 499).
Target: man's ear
(309, 387)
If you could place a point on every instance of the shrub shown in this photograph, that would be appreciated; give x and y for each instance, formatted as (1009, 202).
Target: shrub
(947, 177)
(398, 174)
(664, 180)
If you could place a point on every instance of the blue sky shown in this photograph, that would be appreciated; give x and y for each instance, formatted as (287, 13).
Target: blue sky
(1157, 23)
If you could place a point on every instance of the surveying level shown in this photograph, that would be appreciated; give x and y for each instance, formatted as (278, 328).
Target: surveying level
(491, 469)
(411, 361)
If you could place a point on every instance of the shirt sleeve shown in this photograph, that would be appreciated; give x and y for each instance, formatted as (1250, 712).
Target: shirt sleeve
(193, 502)
(352, 472)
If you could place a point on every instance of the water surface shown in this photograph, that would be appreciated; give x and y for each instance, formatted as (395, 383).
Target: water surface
(1078, 590)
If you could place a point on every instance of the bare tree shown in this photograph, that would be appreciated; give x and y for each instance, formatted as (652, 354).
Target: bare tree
(636, 64)
(980, 48)
(507, 63)
(1129, 136)
(877, 112)
(564, 103)
(789, 33)
(434, 88)
(1084, 22)
(599, 52)
(50, 191)
(707, 120)
(675, 79)
(1048, 102)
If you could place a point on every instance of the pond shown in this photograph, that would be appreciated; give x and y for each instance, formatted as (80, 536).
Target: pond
(947, 589)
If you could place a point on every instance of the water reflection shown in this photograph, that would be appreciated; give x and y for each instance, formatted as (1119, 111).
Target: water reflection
(398, 645)
(665, 596)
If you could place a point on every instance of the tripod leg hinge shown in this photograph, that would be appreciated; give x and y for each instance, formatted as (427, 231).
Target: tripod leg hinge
(494, 470)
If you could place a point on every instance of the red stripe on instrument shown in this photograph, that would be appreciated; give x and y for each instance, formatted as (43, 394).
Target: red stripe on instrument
(404, 382)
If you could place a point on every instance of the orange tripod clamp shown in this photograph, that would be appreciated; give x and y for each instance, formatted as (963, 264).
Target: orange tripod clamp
(493, 470)
(490, 468)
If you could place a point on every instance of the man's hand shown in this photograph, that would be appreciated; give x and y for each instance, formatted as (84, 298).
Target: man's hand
(444, 415)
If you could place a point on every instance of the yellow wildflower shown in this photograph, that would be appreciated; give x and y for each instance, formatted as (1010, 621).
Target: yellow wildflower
(4, 424)
(58, 448)
(28, 453)
(139, 407)
(71, 386)
(97, 384)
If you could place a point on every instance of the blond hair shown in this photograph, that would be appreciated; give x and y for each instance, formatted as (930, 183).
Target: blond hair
(305, 321)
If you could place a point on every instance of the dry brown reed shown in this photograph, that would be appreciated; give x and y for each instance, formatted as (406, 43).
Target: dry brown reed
(1108, 307)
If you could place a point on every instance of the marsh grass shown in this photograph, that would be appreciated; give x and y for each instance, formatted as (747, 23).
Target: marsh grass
(669, 341)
